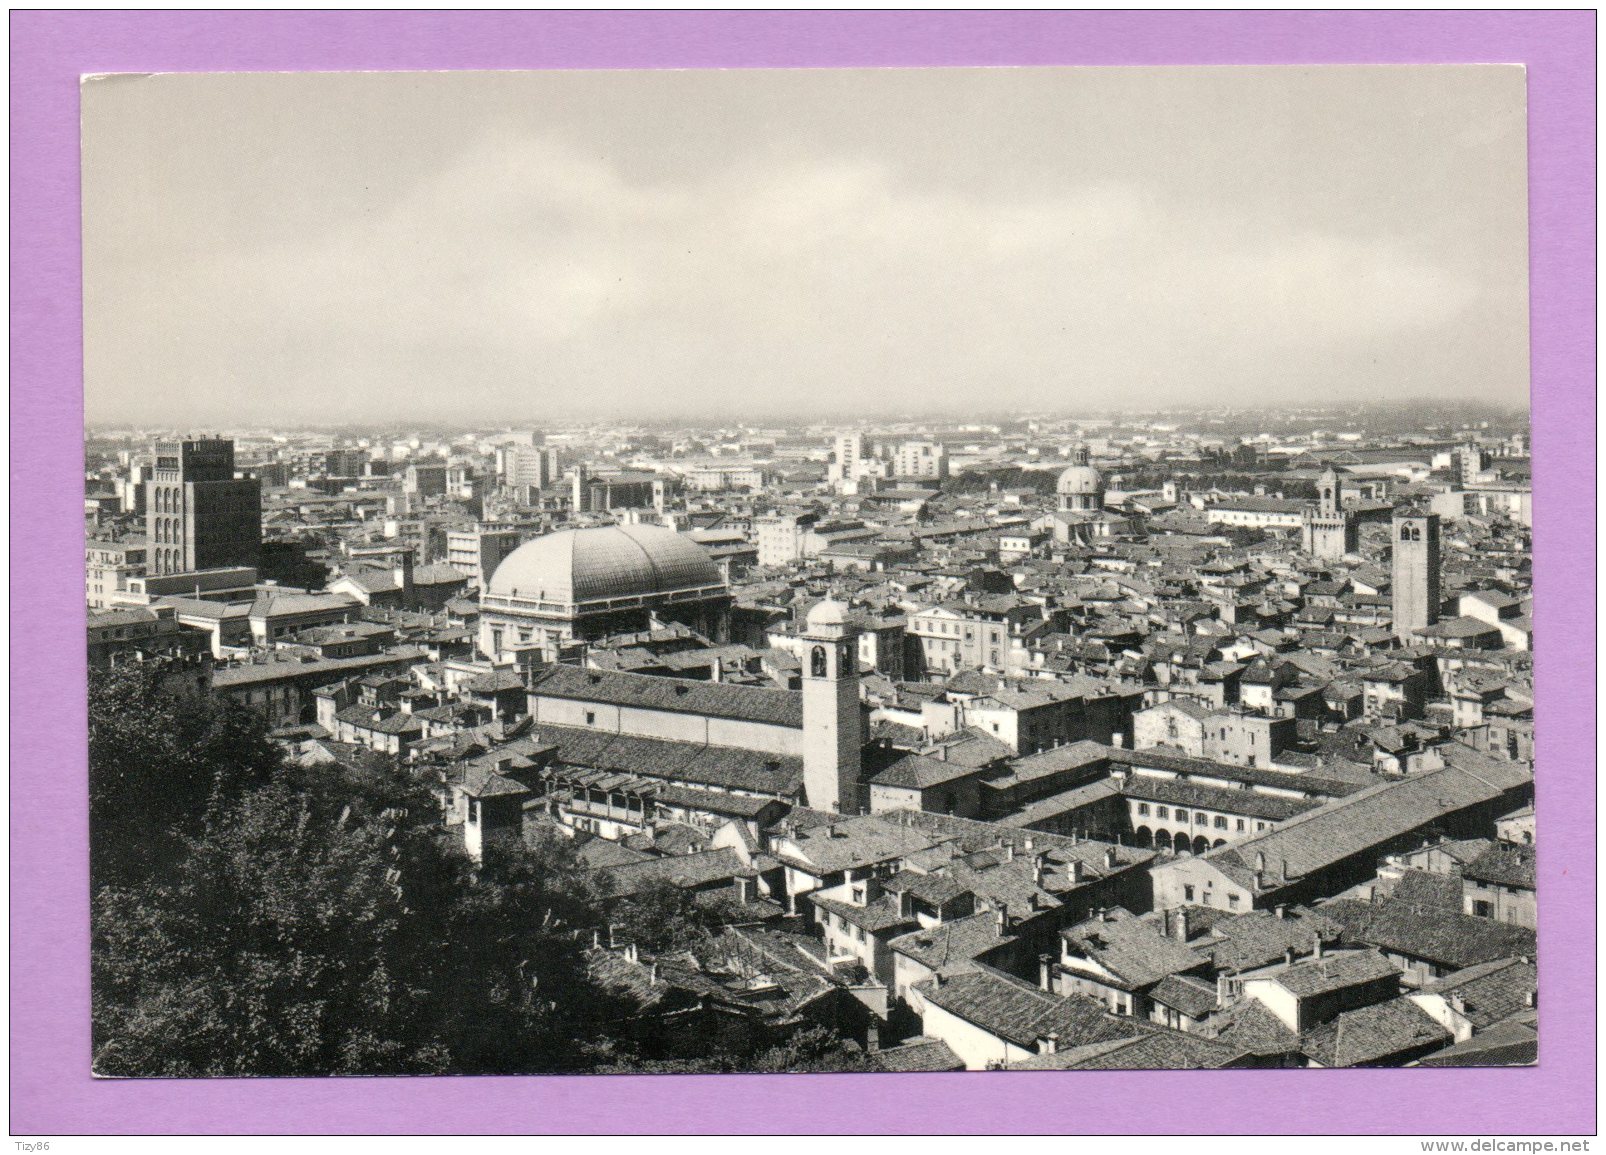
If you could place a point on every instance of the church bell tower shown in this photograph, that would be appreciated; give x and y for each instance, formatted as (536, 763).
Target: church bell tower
(833, 736)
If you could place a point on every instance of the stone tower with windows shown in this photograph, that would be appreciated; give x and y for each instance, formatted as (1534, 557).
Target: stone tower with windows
(1329, 531)
(1416, 572)
(833, 732)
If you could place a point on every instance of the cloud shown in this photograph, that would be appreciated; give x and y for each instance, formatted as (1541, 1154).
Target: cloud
(530, 274)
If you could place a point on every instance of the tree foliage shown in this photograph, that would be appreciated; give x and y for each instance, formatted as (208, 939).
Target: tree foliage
(323, 924)
(809, 1050)
(162, 760)
(663, 918)
(258, 917)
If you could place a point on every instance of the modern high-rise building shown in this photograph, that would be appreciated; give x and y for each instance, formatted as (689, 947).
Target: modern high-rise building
(1466, 463)
(851, 450)
(1416, 572)
(520, 465)
(198, 515)
(477, 552)
(921, 459)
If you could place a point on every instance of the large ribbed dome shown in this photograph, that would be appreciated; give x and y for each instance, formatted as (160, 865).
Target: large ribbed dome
(1079, 479)
(613, 561)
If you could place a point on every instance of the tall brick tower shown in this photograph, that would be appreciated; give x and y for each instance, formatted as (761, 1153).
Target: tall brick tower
(1416, 572)
(833, 738)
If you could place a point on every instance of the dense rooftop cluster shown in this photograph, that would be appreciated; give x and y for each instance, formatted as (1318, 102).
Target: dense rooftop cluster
(1155, 745)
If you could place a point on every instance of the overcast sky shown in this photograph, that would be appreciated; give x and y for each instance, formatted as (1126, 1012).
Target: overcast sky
(477, 247)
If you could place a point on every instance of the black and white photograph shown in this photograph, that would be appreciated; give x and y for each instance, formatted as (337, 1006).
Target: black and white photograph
(808, 571)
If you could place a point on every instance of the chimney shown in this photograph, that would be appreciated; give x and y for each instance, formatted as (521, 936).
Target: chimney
(1111, 859)
(1044, 971)
(1182, 926)
(1260, 861)
(1457, 1004)
(1282, 911)
(1003, 918)
(1009, 852)
(1223, 990)
(596, 939)
(1104, 915)
(1288, 957)
(1282, 869)
(652, 973)
(1037, 870)
(1048, 1044)
(1319, 948)
(1028, 843)
(630, 952)
(1530, 999)
(872, 1038)
(1076, 870)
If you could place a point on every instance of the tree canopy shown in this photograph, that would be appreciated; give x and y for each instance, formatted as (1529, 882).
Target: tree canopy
(253, 916)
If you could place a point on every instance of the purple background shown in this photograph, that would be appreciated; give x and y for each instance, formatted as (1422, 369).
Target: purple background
(51, 1088)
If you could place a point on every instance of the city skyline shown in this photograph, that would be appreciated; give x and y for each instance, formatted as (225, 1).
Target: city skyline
(488, 246)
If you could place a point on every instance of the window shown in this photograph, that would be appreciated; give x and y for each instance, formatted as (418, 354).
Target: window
(1482, 909)
(1240, 824)
(1221, 823)
(1232, 900)
(1187, 894)
(858, 933)
(591, 718)
(1260, 826)
(1182, 815)
(1143, 807)
(1201, 820)
(1162, 812)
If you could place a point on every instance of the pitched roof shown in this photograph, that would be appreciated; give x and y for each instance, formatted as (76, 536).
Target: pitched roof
(1504, 864)
(847, 843)
(680, 870)
(1334, 972)
(1249, 1027)
(1425, 888)
(1374, 1034)
(921, 772)
(1490, 992)
(678, 695)
(876, 917)
(1021, 1014)
(1132, 949)
(1154, 1050)
(918, 1054)
(1432, 933)
(1352, 825)
(719, 767)
(1193, 997)
(952, 942)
